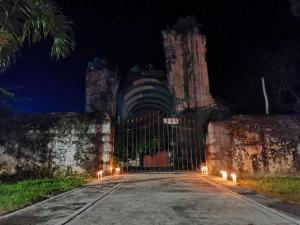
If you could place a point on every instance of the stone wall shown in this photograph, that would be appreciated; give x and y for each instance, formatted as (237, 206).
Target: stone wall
(39, 145)
(187, 68)
(254, 145)
(101, 90)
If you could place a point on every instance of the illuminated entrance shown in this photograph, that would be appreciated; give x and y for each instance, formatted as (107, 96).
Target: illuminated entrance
(159, 142)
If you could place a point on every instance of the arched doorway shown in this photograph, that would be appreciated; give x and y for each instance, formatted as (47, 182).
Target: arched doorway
(149, 135)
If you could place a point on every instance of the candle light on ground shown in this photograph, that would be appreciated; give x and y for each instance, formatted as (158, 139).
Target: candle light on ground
(224, 174)
(233, 176)
(100, 174)
(204, 169)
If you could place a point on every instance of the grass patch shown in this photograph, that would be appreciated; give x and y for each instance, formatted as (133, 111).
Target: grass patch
(23, 193)
(284, 188)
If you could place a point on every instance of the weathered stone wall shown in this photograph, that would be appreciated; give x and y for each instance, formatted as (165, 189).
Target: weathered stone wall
(101, 90)
(254, 145)
(35, 145)
(187, 68)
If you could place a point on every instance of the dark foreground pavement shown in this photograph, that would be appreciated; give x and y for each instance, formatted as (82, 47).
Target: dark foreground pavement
(142, 199)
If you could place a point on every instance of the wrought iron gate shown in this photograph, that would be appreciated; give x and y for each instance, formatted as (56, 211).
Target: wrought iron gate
(157, 142)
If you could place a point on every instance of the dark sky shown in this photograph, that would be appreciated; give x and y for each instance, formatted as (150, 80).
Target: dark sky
(128, 33)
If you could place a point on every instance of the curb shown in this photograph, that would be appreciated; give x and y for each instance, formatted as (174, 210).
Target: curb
(89, 205)
(43, 201)
(253, 203)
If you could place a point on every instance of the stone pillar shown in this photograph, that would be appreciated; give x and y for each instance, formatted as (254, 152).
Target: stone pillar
(218, 147)
(106, 145)
(102, 83)
(101, 90)
(187, 68)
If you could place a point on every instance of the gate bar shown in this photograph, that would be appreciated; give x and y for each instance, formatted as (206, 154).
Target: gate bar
(123, 145)
(168, 145)
(131, 149)
(154, 153)
(203, 143)
(136, 144)
(176, 134)
(140, 142)
(127, 150)
(186, 151)
(191, 148)
(145, 121)
(158, 139)
(200, 147)
(172, 130)
(163, 136)
(115, 143)
(149, 144)
(196, 152)
(181, 144)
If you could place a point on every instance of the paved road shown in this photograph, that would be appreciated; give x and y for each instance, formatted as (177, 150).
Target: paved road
(142, 199)
(174, 199)
(55, 210)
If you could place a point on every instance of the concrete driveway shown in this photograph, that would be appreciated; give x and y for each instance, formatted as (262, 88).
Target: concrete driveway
(167, 198)
(175, 199)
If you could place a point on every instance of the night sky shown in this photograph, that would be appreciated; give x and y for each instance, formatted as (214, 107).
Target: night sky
(128, 33)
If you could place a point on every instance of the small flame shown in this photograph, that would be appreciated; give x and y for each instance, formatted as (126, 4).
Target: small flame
(204, 169)
(118, 170)
(111, 169)
(233, 176)
(100, 174)
(224, 174)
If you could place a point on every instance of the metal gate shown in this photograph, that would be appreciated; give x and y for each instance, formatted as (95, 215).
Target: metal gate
(158, 142)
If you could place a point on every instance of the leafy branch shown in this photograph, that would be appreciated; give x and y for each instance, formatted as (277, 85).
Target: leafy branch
(31, 21)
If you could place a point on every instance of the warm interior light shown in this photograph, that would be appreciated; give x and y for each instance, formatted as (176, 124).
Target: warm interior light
(118, 170)
(204, 169)
(100, 174)
(233, 176)
(224, 174)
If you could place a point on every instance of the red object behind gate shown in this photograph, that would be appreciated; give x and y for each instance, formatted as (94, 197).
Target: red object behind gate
(159, 160)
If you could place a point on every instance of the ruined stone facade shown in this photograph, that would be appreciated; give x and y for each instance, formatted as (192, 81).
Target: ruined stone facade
(254, 145)
(187, 68)
(101, 90)
(50, 144)
(56, 143)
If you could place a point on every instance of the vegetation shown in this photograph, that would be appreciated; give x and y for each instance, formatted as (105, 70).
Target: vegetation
(20, 194)
(29, 21)
(285, 188)
(5, 97)
(186, 24)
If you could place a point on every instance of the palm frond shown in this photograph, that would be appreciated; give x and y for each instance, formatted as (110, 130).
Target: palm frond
(32, 20)
(5, 94)
(46, 19)
(11, 31)
(9, 48)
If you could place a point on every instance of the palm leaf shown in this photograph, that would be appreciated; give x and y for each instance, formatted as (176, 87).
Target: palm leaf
(46, 19)
(9, 48)
(32, 20)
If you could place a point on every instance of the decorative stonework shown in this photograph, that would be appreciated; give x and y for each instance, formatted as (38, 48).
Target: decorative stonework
(254, 145)
(101, 90)
(187, 68)
(56, 143)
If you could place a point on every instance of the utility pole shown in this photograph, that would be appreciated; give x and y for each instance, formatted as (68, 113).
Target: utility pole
(265, 95)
